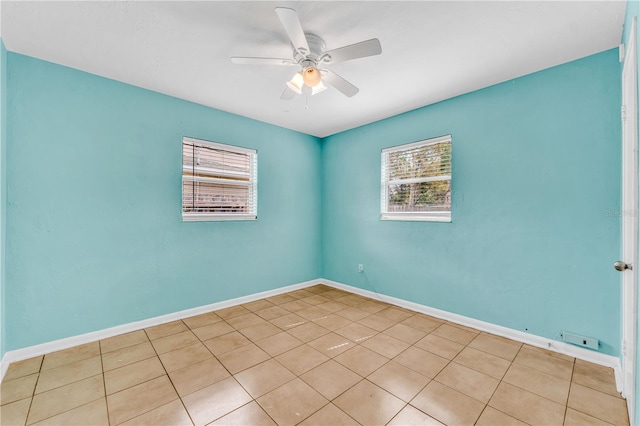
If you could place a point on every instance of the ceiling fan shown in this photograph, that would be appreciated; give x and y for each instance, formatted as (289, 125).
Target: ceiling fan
(309, 55)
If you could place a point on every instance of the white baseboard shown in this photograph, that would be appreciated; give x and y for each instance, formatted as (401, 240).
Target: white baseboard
(531, 339)
(57, 345)
(510, 333)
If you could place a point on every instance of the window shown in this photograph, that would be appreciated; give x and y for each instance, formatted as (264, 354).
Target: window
(416, 181)
(219, 182)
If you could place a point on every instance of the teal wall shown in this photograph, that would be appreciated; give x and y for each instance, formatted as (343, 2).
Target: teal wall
(536, 185)
(3, 186)
(94, 206)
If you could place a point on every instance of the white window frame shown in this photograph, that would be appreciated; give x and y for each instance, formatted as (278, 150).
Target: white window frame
(253, 182)
(433, 216)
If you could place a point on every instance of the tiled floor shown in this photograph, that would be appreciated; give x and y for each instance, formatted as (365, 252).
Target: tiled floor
(318, 356)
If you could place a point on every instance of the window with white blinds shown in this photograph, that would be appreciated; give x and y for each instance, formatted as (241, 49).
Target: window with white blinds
(416, 181)
(219, 182)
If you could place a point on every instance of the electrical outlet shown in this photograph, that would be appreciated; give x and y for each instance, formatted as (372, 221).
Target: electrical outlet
(360, 267)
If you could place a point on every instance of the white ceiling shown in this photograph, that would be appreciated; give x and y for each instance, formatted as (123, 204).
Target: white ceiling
(431, 50)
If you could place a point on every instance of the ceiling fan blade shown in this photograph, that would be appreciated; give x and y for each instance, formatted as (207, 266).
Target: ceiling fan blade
(333, 79)
(291, 23)
(288, 94)
(261, 61)
(353, 51)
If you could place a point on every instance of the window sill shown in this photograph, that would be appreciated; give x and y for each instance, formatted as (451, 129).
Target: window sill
(216, 217)
(415, 218)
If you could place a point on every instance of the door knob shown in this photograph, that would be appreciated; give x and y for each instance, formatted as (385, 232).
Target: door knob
(621, 266)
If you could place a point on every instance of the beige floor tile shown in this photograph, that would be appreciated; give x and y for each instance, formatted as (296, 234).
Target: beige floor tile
(184, 357)
(492, 417)
(399, 380)
(332, 306)
(329, 415)
(59, 400)
(330, 379)
(249, 414)
(307, 332)
(423, 362)
(174, 341)
(23, 368)
(376, 322)
(595, 377)
(351, 299)
(295, 306)
(368, 404)
(244, 321)
(122, 341)
(15, 413)
(372, 306)
(526, 406)
(412, 416)
(576, 418)
(210, 331)
(281, 299)
(215, 401)
(93, 413)
(127, 355)
(68, 373)
(356, 332)
(139, 399)
(258, 305)
(67, 356)
(333, 322)
(385, 345)
(547, 352)
(463, 327)
(17, 389)
(197, 376)
(455, 334)
(301, 359)
(313, 313)
(292, 402)
(301, 294)
(395, 314)
(287, 322)
(226, 342)
(331, 344)
(171, 414)
(538, 382)
(448, 405)
(353, 314)
(264, 377)
(243, 358)
(166, 329)
(232, 312)
(201, 320)
(405, 333)
(553, 366)
(440, 346)
(597, 404)
(272, 313)
(495, 345)
(278, 343)
(132, 374)
(423, 323)
(334, 294)
(260, 331)
(361, 360)
(470, 382)
(483, 362)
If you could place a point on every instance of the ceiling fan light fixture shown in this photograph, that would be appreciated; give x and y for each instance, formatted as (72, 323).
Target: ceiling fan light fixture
(311, 76)
(318, 88)
(296, 83)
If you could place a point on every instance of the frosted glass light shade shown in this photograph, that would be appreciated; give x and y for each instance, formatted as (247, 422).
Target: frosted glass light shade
(296, 83)
(311, 76)
(318, 88)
